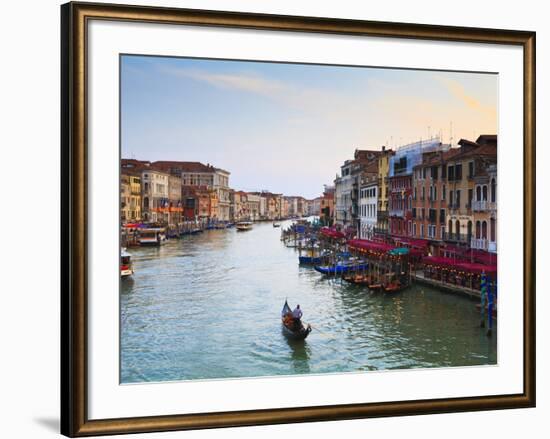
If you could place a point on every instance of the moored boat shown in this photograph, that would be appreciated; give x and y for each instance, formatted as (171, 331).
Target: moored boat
(312, 260)
(358, 279)
(341, 267)
(126, 264)
(394, 287)
(243, 226)
(293, 328)
(152, 236)
(276, 224)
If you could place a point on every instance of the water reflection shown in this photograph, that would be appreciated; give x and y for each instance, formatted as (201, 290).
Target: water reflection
(208, 306)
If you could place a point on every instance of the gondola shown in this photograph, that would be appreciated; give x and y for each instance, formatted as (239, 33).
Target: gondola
(358, 279)
(394, 287)
(312, 260)
(341, 267)
(293, 334)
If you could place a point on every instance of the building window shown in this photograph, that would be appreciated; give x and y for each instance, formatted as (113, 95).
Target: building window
(457, 227)
(484, 192)
(422, 230)
(484, 230)
(493, 190)
(443, 193)
(470, 169)
(478, 229)
(441, 216)
(451, 173)
(458, 199)
(493, 230)
(458, 172)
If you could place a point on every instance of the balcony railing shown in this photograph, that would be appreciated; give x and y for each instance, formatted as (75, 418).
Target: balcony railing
(483, 205)
(478, 243)
(457, 237)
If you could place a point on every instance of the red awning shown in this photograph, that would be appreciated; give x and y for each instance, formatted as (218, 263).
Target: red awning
(365, 244)
(460, 265)
(331, 233)
(413, 243)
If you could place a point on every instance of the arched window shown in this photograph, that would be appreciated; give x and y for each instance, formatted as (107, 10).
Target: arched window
(478, 229)
(457, 226)
(478, 193)
(484, 192)
(484, 230)
(493, 229)
(146, 202)
(450, 227)
(493, 190)
(470, 225)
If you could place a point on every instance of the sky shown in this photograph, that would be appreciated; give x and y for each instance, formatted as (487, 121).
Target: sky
(288, 128)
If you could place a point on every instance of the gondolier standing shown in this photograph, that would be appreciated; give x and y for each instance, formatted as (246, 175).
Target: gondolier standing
(297, 313)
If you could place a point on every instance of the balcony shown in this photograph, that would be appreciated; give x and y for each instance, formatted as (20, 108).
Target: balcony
(483, 206)
(478, 244)
(455, 237)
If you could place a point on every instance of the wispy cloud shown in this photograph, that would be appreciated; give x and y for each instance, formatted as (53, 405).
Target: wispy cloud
(459, 92)
(310, 100)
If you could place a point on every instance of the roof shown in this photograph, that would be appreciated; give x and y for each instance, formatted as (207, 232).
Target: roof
(127, 164)
(184, 166)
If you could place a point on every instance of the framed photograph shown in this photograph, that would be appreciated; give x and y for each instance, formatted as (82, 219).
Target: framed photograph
(273, 219)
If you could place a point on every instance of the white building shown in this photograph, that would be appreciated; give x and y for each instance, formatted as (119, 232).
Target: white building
(368, 208)
(221, 186)
(343, 187)
(154, 196)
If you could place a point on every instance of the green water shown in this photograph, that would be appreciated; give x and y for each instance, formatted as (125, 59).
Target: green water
(208, 306)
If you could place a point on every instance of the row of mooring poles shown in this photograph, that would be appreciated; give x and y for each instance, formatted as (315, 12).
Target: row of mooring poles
(488, 295)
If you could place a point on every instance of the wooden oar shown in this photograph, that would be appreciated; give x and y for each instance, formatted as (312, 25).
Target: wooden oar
(322, 332)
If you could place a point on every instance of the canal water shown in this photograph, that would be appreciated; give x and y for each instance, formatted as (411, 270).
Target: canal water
(208, 306)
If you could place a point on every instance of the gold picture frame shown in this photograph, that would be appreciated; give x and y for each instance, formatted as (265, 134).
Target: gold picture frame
(74, 192)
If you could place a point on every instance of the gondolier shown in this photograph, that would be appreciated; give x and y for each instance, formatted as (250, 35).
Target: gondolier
(292, 323)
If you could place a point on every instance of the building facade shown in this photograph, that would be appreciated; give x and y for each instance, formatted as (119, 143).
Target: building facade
(154, 195)
(382, 222)
(368, 207)
(175, 211)
(400, 178)
(198, 174)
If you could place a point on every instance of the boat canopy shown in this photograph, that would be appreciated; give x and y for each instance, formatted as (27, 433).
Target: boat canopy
(331, 233)
(400, 251)
(469, 267)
